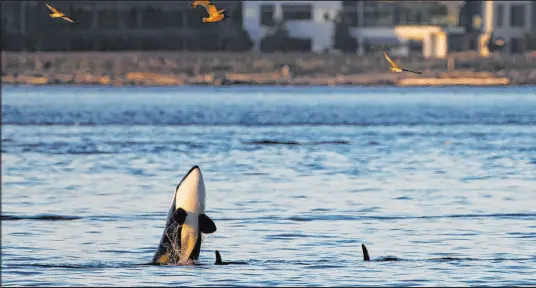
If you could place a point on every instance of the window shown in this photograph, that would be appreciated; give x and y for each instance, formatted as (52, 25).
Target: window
(351, 18)
(517, 16)
(37, 20)
(418, 17)
(83, 17)
(267, 15)
(415, 46)
(350, 13)
(171, 19)
(129, 17)
(297, 12)
(379, 14)
(194, 19)
(402, 16)
(13, 19)
(151, 19)
(236, 17)
(500, 15)
(533, 16)
(107, 19)
(517, 45)
(438, 9)
(299, 45)
(370, 14)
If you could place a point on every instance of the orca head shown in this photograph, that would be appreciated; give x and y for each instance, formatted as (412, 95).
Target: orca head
(189, 212)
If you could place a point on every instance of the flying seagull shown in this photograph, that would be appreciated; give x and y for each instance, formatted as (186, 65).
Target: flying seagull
(395, 68)
(214, 14)
(58, 14)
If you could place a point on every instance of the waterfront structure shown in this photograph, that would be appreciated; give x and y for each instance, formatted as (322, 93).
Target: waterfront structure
(513, 22)
(119, 25)
(424, 24)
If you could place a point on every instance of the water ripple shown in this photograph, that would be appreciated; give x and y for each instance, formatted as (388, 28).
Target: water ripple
(296, 180)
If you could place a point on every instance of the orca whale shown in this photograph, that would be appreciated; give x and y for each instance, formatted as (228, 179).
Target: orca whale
(186, 221)
(219, 261)
(366, 256)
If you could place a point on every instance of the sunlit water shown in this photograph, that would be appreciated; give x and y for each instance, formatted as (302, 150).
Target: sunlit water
(297, 179)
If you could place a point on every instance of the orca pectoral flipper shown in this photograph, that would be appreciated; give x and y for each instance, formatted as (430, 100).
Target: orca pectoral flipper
(206, 225)
(180, 216)
(366, 256)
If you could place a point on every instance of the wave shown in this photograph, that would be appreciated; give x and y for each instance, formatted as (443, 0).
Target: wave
(282, 142)
(309, 264)
(269, 115)
(43, 217)
(40, 218)
(466, 216)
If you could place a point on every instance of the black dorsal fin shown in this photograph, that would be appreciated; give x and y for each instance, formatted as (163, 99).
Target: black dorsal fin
(366, 256)
(218, 258)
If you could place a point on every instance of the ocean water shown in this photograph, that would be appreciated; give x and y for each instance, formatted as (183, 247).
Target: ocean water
(443, 179)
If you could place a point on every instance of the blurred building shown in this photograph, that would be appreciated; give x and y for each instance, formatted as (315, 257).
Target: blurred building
(513, 22)
(403, 26)
(428, 28)
(358, 26)
(305, 25)
(119, 25)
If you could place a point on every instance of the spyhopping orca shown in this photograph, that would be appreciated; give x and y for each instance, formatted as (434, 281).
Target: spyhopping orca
(366, 256)
(220, 262)
(186, 220)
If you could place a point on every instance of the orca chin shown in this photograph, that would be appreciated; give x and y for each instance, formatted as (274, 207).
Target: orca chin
(186, 222)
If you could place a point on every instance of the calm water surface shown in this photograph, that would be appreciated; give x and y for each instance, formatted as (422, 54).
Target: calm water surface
(297, 179)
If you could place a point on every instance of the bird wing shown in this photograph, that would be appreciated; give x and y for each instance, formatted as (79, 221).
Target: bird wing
(211, 9)
(52, 8)
(68, 19)
(416, 72)
(390, 61)
(204, 4)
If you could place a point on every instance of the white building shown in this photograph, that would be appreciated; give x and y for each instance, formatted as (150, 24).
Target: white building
(391, 22)
(373, 22)
(433, 38)
(304, 19)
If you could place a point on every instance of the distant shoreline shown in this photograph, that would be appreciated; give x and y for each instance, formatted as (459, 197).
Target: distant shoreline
(154, 69)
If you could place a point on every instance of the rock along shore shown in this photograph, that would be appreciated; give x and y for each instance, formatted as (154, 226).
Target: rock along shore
(214, 68)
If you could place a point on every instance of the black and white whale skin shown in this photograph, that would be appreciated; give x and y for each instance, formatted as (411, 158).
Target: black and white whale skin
(186, 221)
